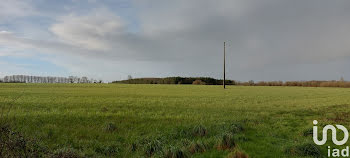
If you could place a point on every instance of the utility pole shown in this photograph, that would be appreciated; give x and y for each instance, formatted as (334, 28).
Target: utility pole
(224, 64)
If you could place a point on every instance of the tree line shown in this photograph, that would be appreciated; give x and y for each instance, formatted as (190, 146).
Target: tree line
(212, 81)
(47, 79)
(332, 83)
(176, 80)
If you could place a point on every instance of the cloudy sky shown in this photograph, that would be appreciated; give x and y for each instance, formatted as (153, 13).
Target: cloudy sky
(111, 39)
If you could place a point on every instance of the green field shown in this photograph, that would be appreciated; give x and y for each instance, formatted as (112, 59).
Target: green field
(121, 120)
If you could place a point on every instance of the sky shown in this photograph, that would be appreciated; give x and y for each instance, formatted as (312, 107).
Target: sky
(110, 39)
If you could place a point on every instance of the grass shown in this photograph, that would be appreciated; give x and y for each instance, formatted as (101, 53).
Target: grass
(120, 120)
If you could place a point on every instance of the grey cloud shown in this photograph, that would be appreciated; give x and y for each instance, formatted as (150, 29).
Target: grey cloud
(268, 39)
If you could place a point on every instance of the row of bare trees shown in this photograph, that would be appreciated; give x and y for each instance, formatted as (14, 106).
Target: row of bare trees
(332, 83)
(47, 79)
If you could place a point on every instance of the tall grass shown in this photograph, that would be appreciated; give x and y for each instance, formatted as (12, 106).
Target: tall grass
(123, 120)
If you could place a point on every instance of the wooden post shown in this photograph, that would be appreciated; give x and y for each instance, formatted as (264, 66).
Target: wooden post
(224, 64)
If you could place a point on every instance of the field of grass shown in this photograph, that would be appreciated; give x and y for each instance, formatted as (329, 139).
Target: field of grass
(120, 120)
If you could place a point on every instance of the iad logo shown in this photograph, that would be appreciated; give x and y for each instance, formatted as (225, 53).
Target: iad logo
(334, 134)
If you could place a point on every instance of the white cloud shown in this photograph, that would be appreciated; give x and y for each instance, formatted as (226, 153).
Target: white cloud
(15, 8)
(89, 31)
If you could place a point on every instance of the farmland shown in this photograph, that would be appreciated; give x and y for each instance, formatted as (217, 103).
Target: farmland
(123, 120)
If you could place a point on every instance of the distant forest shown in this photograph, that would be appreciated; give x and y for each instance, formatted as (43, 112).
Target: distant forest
(212, 81)
(176, 80)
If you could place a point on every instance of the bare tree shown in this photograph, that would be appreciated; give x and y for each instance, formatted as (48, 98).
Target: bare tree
(84, 80)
